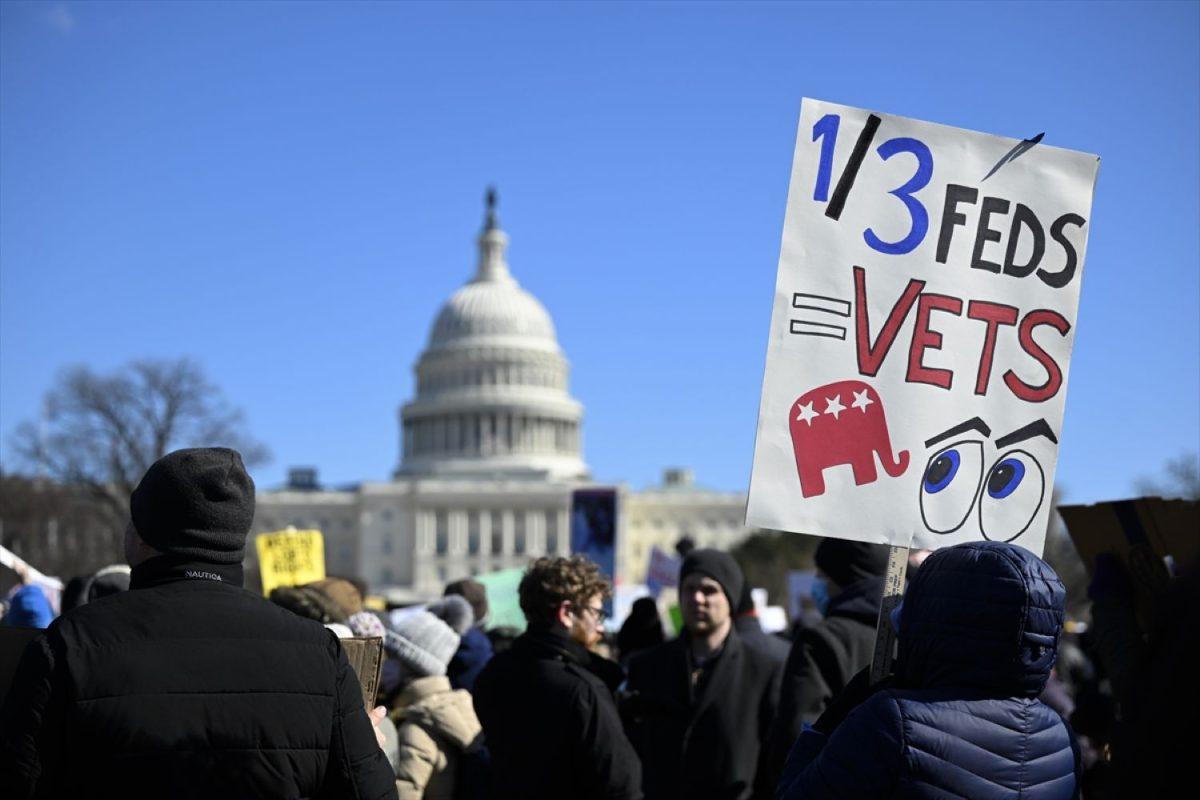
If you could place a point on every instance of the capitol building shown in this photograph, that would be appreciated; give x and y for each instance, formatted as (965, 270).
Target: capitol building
(490, 453)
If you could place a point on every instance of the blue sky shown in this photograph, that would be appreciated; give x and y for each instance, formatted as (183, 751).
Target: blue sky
(287, 192)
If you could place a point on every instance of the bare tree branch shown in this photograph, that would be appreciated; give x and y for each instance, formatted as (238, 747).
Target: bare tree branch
(1181, 479)
(102, 431)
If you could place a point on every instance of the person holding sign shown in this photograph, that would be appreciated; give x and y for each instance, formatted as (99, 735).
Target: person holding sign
(921, 333)
(847, 591)
(188, 685)
(960, 717)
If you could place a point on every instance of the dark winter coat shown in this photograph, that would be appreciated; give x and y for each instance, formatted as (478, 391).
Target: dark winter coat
(551, 725)
(978, 637)
(750, 629)
(822, 661)
(473, 654)
(188, 686)
(705, 743)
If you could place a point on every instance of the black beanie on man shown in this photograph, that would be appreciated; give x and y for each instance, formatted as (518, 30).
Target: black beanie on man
(718, 565)
(847, 562)
(197, 503)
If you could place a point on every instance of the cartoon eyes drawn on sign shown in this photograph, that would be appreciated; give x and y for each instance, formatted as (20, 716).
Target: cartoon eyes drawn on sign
(841, 423)
(1009, 494)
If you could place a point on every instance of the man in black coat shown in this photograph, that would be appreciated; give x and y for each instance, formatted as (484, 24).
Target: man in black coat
(746, 623)
(188, 685)
(546, 704)
(700, 707)
(848, 590)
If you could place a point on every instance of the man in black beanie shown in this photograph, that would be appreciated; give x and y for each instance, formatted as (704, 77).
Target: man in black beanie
(847, 591)
(188, 685)
(700, 707)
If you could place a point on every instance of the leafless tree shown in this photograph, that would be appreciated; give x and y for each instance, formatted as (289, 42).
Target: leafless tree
(1181, 479)
(100, 432)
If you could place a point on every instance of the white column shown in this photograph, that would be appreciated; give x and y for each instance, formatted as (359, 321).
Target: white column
(457, 523)
(425, 532)
(535, 532)
(509, 524)
(564, 532)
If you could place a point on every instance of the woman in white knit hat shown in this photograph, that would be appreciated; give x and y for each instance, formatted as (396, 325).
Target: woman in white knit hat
(436, 725)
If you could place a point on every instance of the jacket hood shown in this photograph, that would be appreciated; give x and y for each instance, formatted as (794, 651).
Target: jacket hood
(982, 615)
(858, 601)
(443, 711)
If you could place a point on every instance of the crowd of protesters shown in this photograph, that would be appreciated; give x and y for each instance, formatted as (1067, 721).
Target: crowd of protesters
(166, 678)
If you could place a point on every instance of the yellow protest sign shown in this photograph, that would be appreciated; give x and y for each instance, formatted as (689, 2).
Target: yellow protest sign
(290, 558)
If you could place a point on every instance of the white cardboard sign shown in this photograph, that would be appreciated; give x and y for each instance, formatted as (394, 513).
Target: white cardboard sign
(924, 315)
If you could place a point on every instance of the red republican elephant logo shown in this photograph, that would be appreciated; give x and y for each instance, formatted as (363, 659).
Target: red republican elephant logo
(841, 423)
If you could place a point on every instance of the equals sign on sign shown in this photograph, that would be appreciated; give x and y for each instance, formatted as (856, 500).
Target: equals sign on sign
(817, 316)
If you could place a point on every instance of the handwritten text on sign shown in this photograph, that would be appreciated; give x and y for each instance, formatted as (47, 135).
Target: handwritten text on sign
(290, 558)
(921, 332)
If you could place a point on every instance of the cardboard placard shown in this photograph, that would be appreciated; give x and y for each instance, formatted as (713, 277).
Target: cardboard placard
(921, 332)
(365, 654)
(1146, 534)
(290, 558)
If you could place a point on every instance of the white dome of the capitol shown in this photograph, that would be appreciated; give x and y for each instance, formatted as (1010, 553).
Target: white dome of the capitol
(493, 307)
(492, 395)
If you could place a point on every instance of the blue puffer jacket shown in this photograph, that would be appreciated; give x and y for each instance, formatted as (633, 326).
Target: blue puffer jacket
(978, 636)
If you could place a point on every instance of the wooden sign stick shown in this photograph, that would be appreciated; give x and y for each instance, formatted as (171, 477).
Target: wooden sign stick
(893, 593)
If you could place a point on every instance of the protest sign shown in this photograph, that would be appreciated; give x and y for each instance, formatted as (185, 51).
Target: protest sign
(365, 654)
(921, 333)
(1150, 536)
(799, 587)
(290, 558)
(504, 603)
(594, 530)
(594, 526)
(663, 571)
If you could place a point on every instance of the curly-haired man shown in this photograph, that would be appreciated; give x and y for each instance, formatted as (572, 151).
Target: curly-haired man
(547, 703)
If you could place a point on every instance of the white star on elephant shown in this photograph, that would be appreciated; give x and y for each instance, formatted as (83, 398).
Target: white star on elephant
(834, 406)
(862, 400)
(806, 413)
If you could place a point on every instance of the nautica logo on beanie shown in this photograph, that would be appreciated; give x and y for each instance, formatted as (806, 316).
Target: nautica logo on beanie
(197, 503)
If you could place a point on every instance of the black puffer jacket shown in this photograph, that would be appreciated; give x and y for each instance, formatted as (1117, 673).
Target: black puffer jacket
(188, 686)
(551, 724)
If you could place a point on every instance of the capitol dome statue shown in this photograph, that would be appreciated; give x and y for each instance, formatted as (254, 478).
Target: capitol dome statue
(492, 397)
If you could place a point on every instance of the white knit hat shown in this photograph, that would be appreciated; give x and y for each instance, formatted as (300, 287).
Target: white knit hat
(424, 641)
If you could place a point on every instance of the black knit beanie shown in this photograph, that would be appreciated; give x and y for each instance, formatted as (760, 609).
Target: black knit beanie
(846, 562)
(197, 503)
(718, 565)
